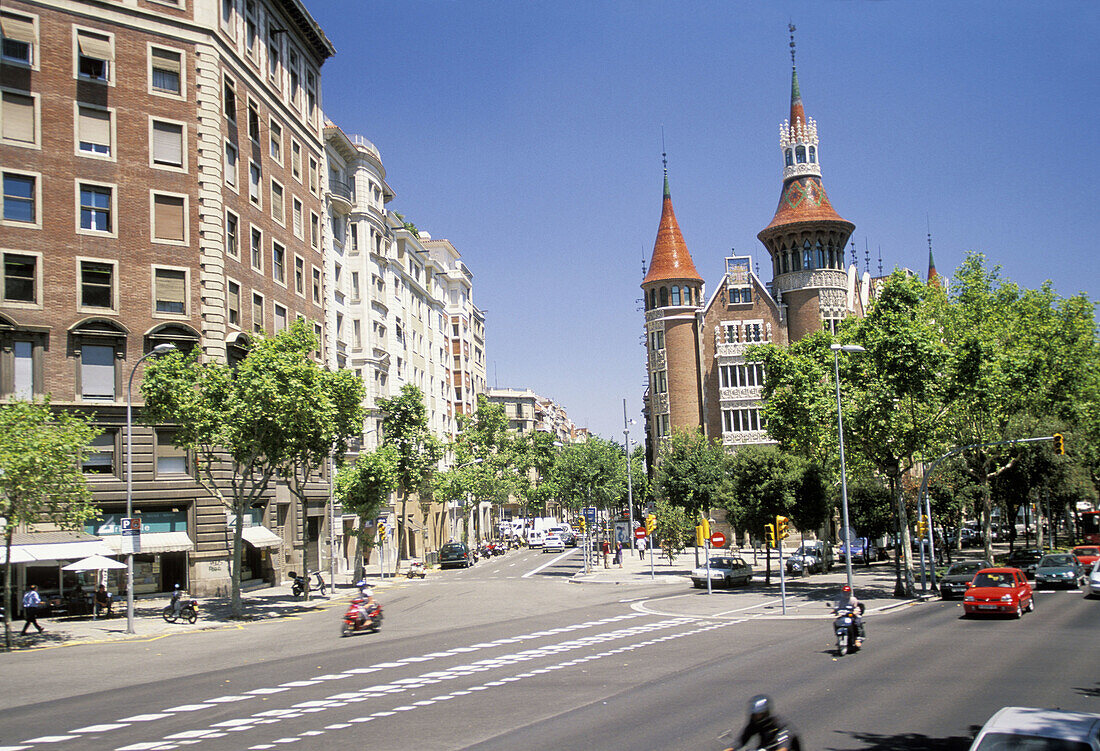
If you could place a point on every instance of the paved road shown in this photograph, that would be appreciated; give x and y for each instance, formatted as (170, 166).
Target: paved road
(493, 658)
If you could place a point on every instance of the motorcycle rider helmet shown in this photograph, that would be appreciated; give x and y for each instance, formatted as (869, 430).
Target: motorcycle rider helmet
(847, 588)
(760, 706)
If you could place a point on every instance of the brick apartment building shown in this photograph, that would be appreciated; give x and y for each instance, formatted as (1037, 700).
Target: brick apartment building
(162, 183)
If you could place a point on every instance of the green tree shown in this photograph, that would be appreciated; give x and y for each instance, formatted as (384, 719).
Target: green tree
(258, 418)
(41, 453)
(672, 528)
(589, 473)
(363, 488)
(405, 430)
(483, 460)
(691, 472)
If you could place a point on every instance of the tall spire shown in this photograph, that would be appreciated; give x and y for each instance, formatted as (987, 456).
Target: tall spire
(933, 277)
(798, 115)
(671, 259)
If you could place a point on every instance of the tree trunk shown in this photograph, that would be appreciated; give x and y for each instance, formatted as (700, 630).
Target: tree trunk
(236, 608)
(7, 586)
(402, 531)
(987, 513)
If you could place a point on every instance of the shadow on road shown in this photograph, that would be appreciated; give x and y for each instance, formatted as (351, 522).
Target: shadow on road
(912, 741)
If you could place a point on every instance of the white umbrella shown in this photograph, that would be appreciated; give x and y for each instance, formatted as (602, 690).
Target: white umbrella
(94, 563)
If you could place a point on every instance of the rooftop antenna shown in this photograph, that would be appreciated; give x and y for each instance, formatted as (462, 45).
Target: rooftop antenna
(867, 255)
(791, 29)
(855, 258)
(880, 259)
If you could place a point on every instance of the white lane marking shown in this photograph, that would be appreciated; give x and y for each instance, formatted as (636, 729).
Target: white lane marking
(749, 607)
(145, 717)
(100, 728)
(551, 562)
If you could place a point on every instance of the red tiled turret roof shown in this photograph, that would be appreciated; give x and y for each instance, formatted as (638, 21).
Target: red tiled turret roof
(671, 259)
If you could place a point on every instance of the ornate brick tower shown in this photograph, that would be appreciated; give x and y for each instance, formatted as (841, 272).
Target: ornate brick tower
(806, 238)
(673, 292)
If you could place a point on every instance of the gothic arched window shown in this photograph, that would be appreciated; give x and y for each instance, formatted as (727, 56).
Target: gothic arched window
(800, 154)
(664, 296)
(675, 295)
(813, 155)
(789, 158)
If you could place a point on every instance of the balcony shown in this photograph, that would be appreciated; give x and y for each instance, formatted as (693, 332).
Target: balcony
(341, 193)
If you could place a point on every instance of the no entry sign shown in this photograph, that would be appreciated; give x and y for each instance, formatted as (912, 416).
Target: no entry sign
(639, 532)
(718, 540)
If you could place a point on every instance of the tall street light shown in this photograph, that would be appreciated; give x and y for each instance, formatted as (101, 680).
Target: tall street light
(450, 518)
(837, 349)
(629, 480)
(160, 349)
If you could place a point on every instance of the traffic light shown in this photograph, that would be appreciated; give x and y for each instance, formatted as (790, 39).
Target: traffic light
(781, 532)
(922, 526)
(700, 538)
(650, 524)
(705, 526)
(381, 530)
(1059, 444)
(581, 525)
(769, 535)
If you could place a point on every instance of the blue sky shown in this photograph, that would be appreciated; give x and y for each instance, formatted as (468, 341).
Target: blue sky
(529, 134)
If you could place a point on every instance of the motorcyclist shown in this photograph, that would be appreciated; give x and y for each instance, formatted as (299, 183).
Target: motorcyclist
(177, 601)
(766, 730)
(847, 602)
(365, 600)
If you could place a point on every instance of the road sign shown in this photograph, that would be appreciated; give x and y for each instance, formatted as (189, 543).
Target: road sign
(639, 532)
(131, 534)
(718, 540)
(590, 515)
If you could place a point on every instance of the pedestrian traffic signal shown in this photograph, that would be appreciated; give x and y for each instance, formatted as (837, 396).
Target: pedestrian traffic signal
(1059, 444)
(781, 532)
(650, 524)
(922, 526)
(769, 535)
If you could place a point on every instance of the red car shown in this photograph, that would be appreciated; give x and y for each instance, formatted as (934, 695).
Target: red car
(1087, 554)
(999, 590)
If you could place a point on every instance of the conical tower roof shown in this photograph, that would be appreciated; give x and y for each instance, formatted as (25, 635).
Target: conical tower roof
(671, 259)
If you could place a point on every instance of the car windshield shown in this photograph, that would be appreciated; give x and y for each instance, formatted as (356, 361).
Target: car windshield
(963, 568)
(993, 580)
(454, 547)
(1056, 560)
(721, 562)
(1012, 742)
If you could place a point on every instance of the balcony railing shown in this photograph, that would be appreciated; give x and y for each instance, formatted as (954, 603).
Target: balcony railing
(341, 189)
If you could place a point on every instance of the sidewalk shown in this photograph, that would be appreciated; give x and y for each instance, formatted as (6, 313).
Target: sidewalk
(214, 612)
(806, 597)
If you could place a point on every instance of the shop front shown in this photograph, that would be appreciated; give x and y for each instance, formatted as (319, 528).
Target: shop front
(161, 561)
(40, 557)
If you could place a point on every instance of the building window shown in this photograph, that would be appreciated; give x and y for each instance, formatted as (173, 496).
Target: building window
(311, 99)
(295, 78)
(17, 112)
(296, 160)
(250, 27)
(232, 164)
(257, 312)
(20, 278)
(314, 231)
(227, 12)
(314, 177)
(660, 382)
(299, 276)
(170, 291)
(280, 318)
(355, 286)
(171, 459)
(276, 137)
(273, 55)
(296, 216)
(229, 99)
(257, 249)
(97, 284)
(20, 198)
(165, 71)
(255, 177)
(95, 54)
(232, 235)
(278, 203)
(800, 154)
(94, 130)
(97, 372)
(167, 141)
(99, 459)
(353, 237)
(169, 218)
(19, 38)
(95, 208)
(316, 285)
(23, 386)
(233, 303)
(278, 262)
(253, 122)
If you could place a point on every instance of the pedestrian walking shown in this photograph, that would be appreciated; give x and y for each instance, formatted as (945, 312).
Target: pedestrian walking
(605, 548)
(31, 602)
(640, 545)
(619, 553)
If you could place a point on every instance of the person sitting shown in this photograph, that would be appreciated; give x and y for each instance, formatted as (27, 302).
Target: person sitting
(848, 602)
(102, 601)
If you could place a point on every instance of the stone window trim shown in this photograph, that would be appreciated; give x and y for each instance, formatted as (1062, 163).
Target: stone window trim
(163, 58)
(233, 227)
(233, 304)
(36, 198)
(258, 309)
(102, 456)
(37, 304)
(170, 461)
(94, 45)
(99, 331)
(162, 219)
(277, 199)
(166, 152)
(12, 333)
(256, 248)
(300, 276)
(164, 289)
(179, 333)
(275, 141)
(90, 129)
(96, 310)
(112, 209)
(231, 166)
(230, 101)
(15, 130)
(279, 263)
(22, 29)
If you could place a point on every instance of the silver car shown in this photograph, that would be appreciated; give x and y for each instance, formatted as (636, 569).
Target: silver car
(1039, 730)
(725, 571)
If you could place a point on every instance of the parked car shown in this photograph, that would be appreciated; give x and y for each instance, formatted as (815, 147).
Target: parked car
(811, 558)
(999, 590)
(569, 539)
(1092, 584)
(1025, 559)
(455, 554)
(1087, 555)
(724, 571)
(1059, 570)
(953, 583)
(1039, 730)
(864, 550)
(553, 544)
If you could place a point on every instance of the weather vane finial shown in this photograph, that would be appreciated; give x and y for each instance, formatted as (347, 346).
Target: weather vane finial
(791, 28)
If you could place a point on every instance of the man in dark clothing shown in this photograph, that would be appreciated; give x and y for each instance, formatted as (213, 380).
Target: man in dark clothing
(767, 729)
(31, 602)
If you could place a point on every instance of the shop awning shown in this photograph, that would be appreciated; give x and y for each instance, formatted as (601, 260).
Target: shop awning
(154, 542)
(56, 551)
(261, 537)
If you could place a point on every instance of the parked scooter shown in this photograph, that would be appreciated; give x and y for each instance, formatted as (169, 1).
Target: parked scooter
(320, 587)
(356, 620)
(299, 584)
(188, 611)
(848, 638)
(416, 568)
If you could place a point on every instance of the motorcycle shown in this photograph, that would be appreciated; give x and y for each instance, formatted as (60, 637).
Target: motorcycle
(416, 568)
(189, 612)
(320, 582)
(298, 584)
(498, 548)
(356, 620)
(847, 632)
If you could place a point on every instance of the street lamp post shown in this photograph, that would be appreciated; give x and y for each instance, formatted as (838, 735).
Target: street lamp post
(629, 473)
(837, 349)
(160, 349)
(464, 525)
